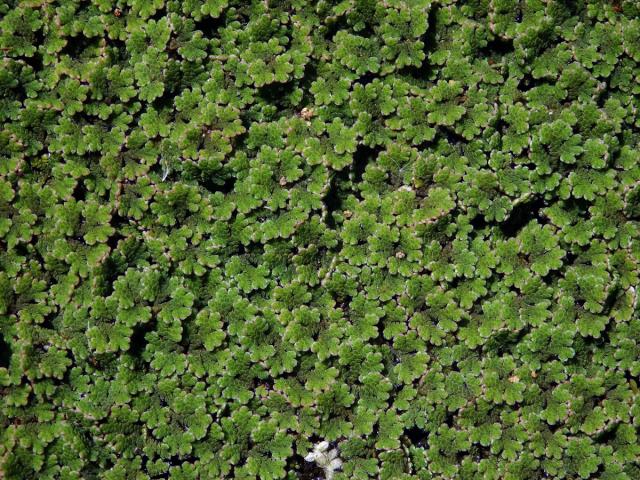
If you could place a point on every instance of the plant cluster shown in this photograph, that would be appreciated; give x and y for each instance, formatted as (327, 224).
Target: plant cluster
(232, 230)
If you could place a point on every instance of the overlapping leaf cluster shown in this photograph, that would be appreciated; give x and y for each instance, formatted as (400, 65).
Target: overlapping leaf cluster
(230, 230)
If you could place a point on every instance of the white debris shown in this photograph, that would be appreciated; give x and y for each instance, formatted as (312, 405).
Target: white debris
(326, 459)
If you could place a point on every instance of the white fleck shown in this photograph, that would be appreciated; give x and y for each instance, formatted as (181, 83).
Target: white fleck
(326, 459)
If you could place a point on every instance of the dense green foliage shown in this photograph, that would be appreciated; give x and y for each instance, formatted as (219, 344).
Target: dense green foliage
(231, 230)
